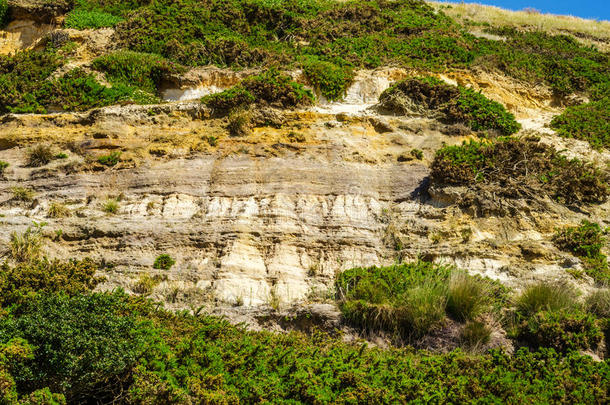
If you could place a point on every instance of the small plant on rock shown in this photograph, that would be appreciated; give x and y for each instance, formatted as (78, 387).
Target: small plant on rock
(164, 262)
(111, 206)
(110, 160)
(58, 210)
(23, 194)
(40, 155)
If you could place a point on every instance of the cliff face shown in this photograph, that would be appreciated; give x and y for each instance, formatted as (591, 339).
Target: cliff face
(270, 218)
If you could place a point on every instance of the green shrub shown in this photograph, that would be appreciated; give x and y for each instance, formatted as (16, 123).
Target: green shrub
(515, 166)
(331, 80)
(561, 331)
(586, 242)
(546, 296)
(164, 262)
(234, 99)
(268, 88)
(111, 159)
(456, 104)
(4, 13)
(407, 300)
(3, 166)
(589, 122)
(18, 283)
(40, 155)
(83, 19)
(142, 70)
(85, 346)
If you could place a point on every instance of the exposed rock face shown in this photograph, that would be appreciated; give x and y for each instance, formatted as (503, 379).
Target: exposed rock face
(268, 219)
(263, 220)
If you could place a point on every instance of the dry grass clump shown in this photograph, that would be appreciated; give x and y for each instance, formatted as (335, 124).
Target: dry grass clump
(595, 31)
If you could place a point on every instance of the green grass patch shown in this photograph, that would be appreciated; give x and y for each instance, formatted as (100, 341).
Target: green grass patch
(83, 19)
(518, 165)
(410, 300)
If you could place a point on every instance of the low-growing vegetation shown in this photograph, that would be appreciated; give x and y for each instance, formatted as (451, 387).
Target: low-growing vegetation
(410, 300)
(111, 206)
(270, 88)
(110, 160)
(61, 342)
(23, 194)
(329, 40)
(26, 246)
(58, 210)
(40, 155)
(589, 122)
(586, 242)
(164, 262)
(549, 315)
(520, 168)
(456, 104)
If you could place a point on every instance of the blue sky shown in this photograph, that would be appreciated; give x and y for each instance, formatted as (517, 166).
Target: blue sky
(597, 9)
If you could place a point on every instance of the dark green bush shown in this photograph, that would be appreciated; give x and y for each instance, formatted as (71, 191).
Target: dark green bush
(516, 166)
(18, 283)
(268, 88)
(331, 80)
(589, 122)
(586, 241)
(457, 104)
(229, 100)
(562, 331)
(407, 300)
(164, 262)
(84, 346)
(4, 13)
(111, 159)
(142, 70)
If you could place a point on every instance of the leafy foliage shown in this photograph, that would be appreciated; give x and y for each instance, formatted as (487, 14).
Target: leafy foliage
(331, 80)
(586, 241)
(268, 88)
(517, 166)
(142, 70)
(561, 330)
(18, 283)
(455, 103)
(164, 262)
(589, 122)
(81, 19)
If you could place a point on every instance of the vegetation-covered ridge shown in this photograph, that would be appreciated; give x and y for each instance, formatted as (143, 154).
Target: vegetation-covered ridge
(327, 39)
(60, 343)
(518, 166)
(456, 104)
